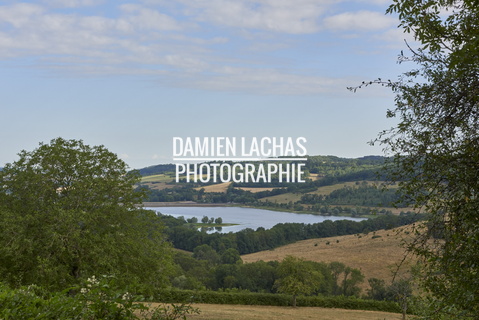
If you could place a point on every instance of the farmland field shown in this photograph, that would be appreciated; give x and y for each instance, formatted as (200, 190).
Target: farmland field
(242, 312)
(376, 254)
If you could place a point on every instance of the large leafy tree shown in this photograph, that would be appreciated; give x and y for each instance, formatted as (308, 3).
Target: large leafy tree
(296, 277)
(435, 146)
(69, 211)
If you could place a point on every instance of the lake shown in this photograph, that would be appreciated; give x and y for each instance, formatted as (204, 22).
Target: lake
(246, 217)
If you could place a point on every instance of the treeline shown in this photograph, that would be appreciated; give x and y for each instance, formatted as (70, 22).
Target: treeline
(206, 269)
(185, 236)
(332, 165)
(363, 195)
(158, 169)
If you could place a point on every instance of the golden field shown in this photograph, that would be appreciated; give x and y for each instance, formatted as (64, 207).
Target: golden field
(376, 257)
(242, 312)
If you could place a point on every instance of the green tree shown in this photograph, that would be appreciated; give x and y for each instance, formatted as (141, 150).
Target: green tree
(435, 146)
(70, 175)
(68, 211)
(377, 289)
(231, 256)
(205, 252)
(257, 276)
(296, 276)
(401, 291)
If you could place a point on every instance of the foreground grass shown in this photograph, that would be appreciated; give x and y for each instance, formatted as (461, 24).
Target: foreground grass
(242, 312)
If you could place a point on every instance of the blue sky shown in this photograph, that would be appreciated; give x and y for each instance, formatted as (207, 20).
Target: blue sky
(131, 75)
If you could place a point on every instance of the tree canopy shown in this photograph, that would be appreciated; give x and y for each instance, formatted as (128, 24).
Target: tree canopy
(296, 277)
(68, 211)
(436, 144)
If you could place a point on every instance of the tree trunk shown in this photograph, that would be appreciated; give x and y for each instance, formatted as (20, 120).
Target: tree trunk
(294, 301)
(404, 310)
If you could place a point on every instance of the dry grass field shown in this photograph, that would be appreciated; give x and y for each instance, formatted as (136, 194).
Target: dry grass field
(287, 197)
(157, 185)
(242, 312)
(376, 257)
(328, 189)
(158, 178)
(314, 176)
(254, 190)
(220, 187)
(284, 198)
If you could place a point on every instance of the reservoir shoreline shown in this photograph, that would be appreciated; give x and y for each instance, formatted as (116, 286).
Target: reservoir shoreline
(185, 204)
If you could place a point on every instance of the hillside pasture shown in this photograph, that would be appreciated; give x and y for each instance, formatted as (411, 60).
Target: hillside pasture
(158, 178)
(158, 185)
(220, 187)
(326, 190)
(355, 184)
(376, 254)
(255, 190)
(283, 198)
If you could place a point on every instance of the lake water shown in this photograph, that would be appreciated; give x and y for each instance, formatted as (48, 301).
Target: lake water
(246, 217)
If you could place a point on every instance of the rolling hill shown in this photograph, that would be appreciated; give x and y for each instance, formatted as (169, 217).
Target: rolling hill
(376, 254)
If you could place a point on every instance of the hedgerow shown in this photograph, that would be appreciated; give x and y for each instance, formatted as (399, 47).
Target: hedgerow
(273, 299)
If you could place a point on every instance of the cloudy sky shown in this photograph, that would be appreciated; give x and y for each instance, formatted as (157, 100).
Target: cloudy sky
(131, 75)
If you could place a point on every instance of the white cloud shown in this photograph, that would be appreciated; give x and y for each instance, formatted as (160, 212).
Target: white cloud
(294, 17)
(36, 31)
(394, 38)
(183, 45)
(72, 3)
(265, 81)
(359, 21)
(145, 18)
(19, 15)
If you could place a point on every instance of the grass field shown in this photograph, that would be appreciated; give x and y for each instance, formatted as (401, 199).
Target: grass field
(157, 185)
(242, 312)
(284, 198)
(287, 197)
(254, 190)
(376, 257)
(158, 178)
(328, 189)
(220, 187)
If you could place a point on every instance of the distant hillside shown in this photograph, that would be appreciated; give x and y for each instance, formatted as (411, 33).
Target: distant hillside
(376, 254)
(314, 164)
(158, 169)
(334, 186)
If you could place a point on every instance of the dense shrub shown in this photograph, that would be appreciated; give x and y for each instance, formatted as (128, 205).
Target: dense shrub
(96, 299)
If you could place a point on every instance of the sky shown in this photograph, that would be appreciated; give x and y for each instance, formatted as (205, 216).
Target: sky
(131, 75)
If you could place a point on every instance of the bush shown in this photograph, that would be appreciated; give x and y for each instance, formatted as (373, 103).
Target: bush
(96, 299)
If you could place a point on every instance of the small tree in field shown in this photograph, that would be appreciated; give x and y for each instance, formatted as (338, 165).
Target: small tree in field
(296, 277)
